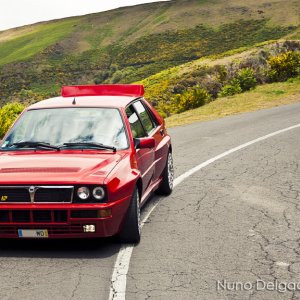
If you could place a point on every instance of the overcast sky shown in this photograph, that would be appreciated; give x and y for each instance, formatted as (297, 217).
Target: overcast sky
(14, 13)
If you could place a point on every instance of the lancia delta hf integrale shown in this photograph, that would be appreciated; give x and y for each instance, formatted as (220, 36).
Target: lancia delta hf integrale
(83, 164)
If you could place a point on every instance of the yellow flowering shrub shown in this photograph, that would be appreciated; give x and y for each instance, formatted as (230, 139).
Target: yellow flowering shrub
(8, 114)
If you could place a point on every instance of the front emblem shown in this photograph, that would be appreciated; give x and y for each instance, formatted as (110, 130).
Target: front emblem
(32, 191)
(4, 198)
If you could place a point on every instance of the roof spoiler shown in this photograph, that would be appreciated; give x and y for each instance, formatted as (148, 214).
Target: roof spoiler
(132, 90)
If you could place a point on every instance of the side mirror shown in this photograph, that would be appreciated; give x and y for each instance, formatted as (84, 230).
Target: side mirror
(144, 143)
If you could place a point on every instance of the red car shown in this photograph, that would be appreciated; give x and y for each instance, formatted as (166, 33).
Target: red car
(83, 164)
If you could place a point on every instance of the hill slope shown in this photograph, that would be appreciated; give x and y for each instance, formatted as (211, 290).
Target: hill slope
(130, 44)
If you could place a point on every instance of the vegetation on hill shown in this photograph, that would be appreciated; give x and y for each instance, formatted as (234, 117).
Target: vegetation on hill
(42, 76)
(264, 96)
(197, 83)
(163, 45)
(32, 43)
(131, 44)
(212, 83)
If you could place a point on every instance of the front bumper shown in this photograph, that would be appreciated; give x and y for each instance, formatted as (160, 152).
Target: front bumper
(63, 220)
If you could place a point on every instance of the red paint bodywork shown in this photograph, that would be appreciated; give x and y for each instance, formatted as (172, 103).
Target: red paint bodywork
(120, 172)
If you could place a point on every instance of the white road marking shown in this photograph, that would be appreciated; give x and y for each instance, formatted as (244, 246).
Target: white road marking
(121, 267)
(282, 264)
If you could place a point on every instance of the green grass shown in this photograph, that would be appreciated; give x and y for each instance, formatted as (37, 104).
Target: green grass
(131, 31)
(202, 1)
(265, 96)
(25, 47)
(160, 19)
(97, 37)
(275, 92)
(142, 41)
(137, 60)
(45, 88)
(162, 16)
(295, 35)
(156, 52)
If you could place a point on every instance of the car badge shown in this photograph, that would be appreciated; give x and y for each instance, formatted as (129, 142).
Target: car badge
(4, 198)
(32, 190)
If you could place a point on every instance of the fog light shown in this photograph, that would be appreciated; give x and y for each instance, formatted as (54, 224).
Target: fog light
(104, 213)
(89, 228)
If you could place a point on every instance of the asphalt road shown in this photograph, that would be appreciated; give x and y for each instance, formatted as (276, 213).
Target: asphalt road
(237, 220)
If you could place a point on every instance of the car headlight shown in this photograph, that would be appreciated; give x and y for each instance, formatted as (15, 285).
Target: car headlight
(83, 193)
(98, 193)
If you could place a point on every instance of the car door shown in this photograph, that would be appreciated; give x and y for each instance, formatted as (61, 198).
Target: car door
(156, 130)
(145, 157)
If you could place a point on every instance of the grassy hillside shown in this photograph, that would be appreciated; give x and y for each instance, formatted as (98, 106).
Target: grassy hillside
(201, 81)
(131, 44)
(28, 44)
(265, 96)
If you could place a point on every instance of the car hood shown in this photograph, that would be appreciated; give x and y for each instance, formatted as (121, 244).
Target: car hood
(56, 167)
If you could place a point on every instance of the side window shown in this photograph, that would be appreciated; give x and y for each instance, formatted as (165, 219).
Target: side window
(144, 116)
(135, 123)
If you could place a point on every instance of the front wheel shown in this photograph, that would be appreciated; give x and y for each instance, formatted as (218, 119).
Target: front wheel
(166, 185)
(131, 230)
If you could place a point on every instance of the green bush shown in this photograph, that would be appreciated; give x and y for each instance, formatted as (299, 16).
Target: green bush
(101, 76)
(231, 89)
(222, 72)
(192, 98)
(246, 79)
(212, 84)
(284, 66)
(8, 114)
(118, 75)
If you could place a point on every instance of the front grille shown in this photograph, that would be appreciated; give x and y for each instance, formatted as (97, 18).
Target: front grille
(60, 216)
(53, 195)
(4, 216)
(20, 216)
(14, 195)
(41, 216)
(33, 216)
(39, 194)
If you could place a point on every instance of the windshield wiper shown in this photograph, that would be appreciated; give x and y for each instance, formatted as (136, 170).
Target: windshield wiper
(90, 144)
(33, 144)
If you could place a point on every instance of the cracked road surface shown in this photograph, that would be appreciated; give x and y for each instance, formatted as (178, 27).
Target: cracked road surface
(237, 219)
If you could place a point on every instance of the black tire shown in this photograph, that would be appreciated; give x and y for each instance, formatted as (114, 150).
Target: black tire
(131, 230)
(166, 186)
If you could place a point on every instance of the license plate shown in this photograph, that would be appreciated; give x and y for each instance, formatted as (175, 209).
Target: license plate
(33, 233)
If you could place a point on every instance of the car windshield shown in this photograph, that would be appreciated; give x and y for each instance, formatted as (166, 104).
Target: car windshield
(57, 126)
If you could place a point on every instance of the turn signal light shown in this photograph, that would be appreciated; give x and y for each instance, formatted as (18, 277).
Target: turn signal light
(104, 213)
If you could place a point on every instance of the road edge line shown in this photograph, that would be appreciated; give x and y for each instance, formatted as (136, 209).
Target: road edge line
(121, 266)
